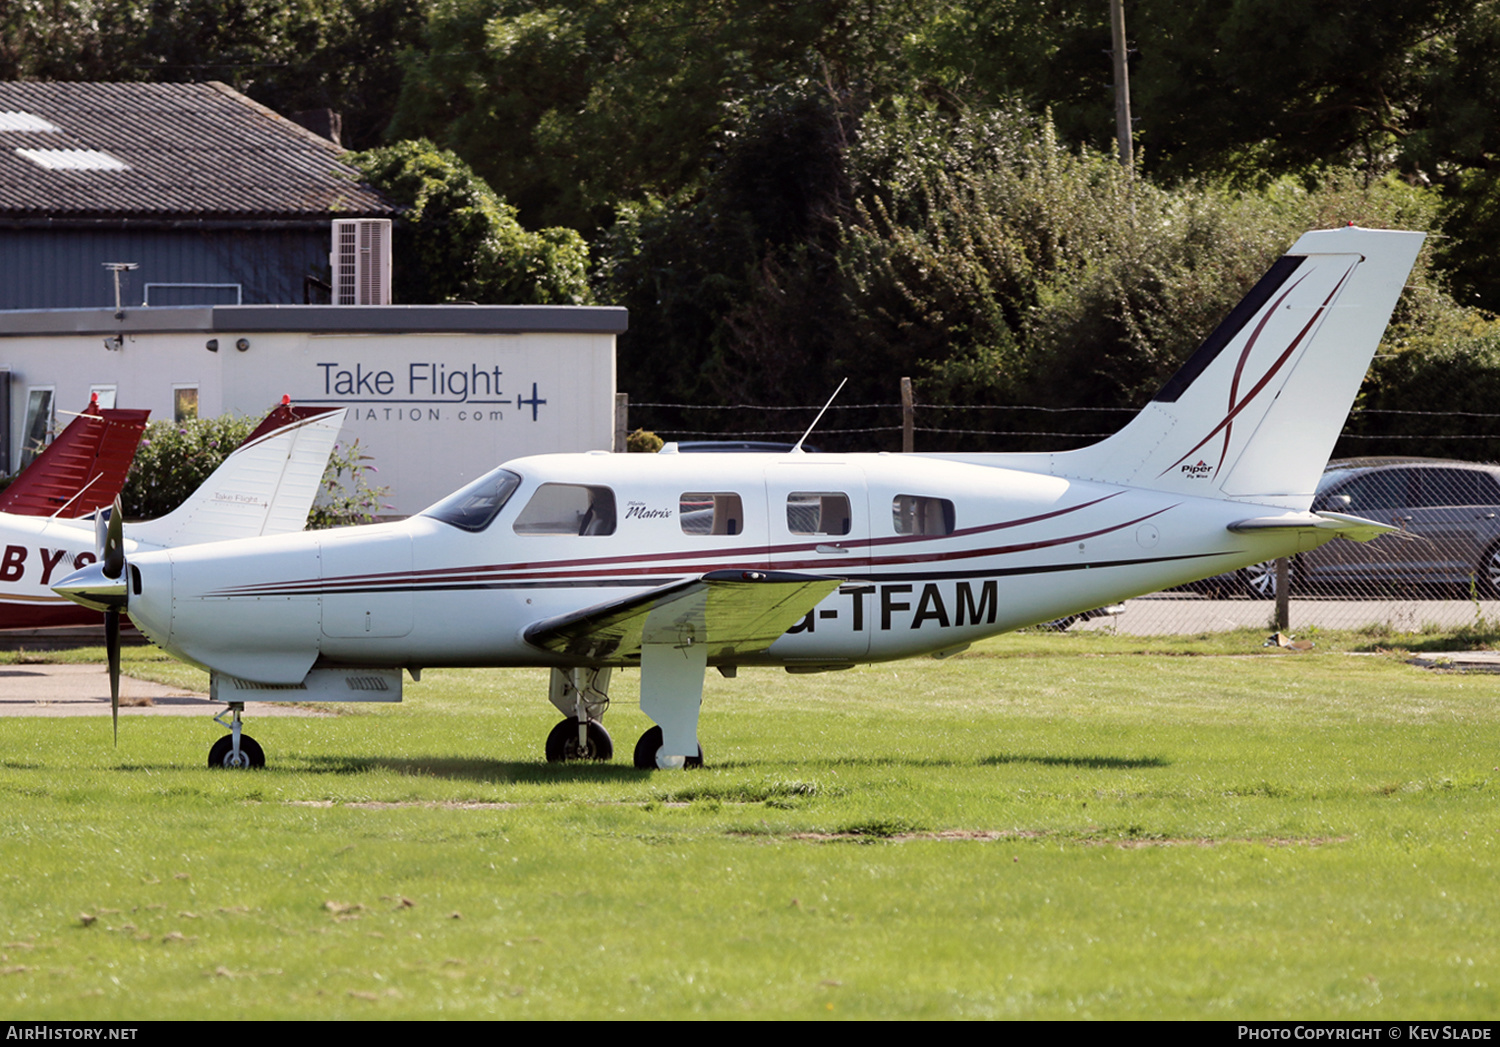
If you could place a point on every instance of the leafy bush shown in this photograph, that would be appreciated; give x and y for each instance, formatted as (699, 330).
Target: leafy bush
(346, 497)
(643, 441)
(175, 458)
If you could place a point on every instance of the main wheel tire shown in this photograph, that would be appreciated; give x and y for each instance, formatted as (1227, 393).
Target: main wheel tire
(650, 744)
(562, 743)
(221, 753)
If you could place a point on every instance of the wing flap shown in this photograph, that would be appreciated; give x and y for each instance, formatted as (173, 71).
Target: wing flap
(734, 612)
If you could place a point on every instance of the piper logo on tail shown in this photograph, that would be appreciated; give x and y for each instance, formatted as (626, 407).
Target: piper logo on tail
(1202, 468)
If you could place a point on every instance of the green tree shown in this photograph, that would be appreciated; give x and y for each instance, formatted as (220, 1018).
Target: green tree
(288, 54)
(572, 109)
(457, 240)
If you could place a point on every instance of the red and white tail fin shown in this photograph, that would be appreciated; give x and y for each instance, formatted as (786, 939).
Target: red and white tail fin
(83, 469)
(266, 486)
(1253, 415)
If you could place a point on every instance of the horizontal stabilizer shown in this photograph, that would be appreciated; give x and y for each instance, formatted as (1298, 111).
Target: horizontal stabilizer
(1355, 528)
(735, 613)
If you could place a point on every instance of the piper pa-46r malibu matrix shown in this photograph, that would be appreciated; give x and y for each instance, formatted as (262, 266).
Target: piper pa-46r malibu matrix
(678, 563)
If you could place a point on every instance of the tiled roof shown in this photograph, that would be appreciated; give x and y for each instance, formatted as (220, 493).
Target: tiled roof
(189, 151)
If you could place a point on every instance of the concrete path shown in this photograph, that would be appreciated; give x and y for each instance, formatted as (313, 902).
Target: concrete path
(83, 690)
(1462, 661)
(1172, 613)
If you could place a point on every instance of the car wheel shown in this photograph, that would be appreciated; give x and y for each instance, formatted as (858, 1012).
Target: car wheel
(1259, 580)
(1487, 576)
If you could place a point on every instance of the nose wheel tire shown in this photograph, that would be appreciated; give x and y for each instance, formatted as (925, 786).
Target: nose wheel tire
(562, 743)
(222, 753)
(650, 744)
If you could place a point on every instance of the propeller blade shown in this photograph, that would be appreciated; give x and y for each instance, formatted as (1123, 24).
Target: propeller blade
(114, 543)
(112, 645)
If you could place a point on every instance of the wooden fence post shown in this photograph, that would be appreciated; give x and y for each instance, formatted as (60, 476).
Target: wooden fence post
(908, 443)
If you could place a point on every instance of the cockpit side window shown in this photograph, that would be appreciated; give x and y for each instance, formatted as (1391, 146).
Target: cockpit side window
(706, 512)
(913, 514)
(568, 509)
(472, 508)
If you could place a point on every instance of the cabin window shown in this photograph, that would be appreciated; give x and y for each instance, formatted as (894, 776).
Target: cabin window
(568, 509)
(704, 512)
(818, 512)
(472, 508)
(913, 514)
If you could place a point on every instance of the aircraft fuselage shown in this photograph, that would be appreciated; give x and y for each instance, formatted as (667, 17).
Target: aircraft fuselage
(932, 555)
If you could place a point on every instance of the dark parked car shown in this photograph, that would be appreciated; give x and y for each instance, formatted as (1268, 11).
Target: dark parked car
(1449, 513)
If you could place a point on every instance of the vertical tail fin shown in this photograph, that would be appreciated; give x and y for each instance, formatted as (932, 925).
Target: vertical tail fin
(83, 469)
(1254, 413)
(266, 486)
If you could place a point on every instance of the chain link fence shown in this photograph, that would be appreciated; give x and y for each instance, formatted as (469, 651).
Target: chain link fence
(1441, 568)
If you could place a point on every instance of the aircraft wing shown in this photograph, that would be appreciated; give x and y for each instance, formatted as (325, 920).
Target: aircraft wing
(734, 612)
(1356, 528)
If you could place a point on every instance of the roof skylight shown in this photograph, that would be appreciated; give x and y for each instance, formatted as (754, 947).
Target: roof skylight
(73, 160)
(12, 120)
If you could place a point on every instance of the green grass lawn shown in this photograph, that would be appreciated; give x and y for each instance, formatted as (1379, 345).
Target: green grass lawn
(1045, 826)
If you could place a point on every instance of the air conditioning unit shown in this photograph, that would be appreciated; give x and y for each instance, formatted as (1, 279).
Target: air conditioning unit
(361, 261)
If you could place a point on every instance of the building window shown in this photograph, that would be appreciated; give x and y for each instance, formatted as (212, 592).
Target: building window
(184, 403)
(106, 395)
(38, 432)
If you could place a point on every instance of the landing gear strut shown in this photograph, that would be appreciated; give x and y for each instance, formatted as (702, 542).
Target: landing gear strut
(581, 695)
(235, 749)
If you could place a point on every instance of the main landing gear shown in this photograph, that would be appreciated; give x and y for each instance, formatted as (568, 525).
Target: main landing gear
(235, 749)
(647, 751)
(582, 696)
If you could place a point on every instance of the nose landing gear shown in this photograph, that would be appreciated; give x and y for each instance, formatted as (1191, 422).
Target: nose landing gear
(236, 749)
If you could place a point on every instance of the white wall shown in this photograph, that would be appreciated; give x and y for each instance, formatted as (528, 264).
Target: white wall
(434, 410)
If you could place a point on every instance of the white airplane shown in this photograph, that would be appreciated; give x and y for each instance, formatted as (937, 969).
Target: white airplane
(678, 563)
(265, 486)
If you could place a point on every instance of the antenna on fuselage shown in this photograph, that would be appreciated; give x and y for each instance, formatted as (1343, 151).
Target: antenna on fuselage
(798, 449)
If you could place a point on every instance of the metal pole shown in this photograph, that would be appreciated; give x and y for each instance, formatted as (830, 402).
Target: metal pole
(622, 421)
